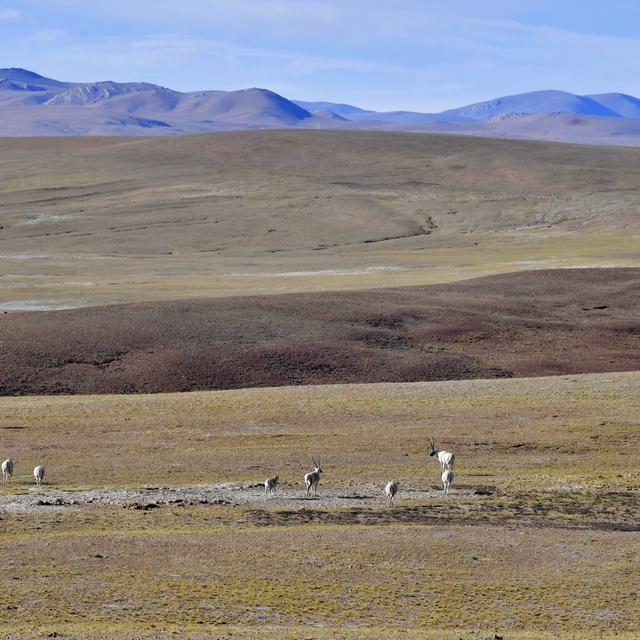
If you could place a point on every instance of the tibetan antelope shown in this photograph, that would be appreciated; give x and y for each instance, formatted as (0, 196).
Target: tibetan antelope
(7, 470)
(447, 480)
(445, 458)
(391, 489)
(312, 478)
(38, 474)
(270, 487)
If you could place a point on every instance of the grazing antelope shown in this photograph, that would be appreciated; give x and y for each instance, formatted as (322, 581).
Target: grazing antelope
(447, 480)
(391, 489)
(38, 474)
(7, 470)
(270, 487)
(312, 478)
(445, 458)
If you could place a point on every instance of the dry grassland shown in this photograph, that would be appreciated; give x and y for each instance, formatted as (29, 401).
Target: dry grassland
(152, 522)
(539, 539)
(105, 220)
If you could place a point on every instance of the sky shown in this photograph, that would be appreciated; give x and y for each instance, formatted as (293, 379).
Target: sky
(401, 54)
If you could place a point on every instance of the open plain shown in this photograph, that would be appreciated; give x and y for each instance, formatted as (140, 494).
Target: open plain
(154, 516)
(187, 316)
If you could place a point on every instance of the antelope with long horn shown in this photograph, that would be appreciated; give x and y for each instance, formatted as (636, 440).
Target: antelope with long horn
(312, 478)
(445, 458)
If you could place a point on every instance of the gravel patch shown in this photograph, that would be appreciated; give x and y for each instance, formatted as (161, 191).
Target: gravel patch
(147, 498)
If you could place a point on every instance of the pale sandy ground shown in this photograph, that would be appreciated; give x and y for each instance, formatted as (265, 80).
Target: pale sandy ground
(289, 496)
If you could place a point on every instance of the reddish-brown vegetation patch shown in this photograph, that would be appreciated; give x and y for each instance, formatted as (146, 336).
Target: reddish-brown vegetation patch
(524, 324)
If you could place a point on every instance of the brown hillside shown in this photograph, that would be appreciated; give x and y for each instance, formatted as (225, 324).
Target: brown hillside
(525, 324)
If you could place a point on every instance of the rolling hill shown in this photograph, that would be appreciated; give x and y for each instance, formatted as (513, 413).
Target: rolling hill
(534, 102)
(523, 324)
(33, 105)
(104, 220)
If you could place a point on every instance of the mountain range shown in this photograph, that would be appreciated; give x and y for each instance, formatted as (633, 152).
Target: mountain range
(33, 105)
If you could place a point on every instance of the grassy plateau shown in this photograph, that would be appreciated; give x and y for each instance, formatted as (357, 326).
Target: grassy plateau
(539, 538)
(182, 318)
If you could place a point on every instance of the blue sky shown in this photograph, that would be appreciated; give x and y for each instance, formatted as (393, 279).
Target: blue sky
(401, 54)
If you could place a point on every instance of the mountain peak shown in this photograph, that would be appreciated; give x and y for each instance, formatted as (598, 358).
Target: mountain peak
(19, 71)
(543, 101)
(31, 104)
(17, 74)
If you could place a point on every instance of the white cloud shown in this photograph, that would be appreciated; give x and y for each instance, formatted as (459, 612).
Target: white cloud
(415, 54)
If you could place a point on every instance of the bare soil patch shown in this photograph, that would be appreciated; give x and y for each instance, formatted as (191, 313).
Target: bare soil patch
(288, 500)
(469, 504)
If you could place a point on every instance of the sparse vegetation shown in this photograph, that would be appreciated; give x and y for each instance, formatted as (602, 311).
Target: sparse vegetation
(522, 324)
(206, 216)
(152, 520)
(542, 522)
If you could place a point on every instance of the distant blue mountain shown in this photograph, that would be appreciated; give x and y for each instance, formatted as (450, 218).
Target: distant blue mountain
(622, 104)
(31, 104)
(531, 103)
(347, 111)
(612, 105)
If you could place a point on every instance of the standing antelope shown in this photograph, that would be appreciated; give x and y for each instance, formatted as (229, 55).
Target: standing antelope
(447, 480)
(312, 478)
(7, 470)
(270, 487)
(446, 458)
(38, 474)
(391, 489)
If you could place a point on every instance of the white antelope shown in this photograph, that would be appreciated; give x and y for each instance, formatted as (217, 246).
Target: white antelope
(7, 470)
(270, 487)
(38, 474)
(445, 458)
(391, 489)
(312, 478)
(447, 480)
